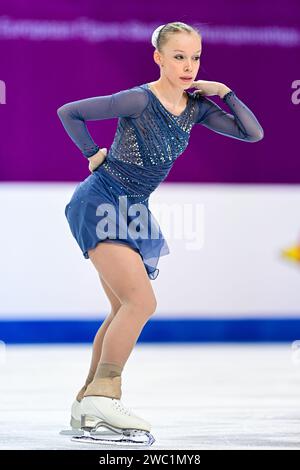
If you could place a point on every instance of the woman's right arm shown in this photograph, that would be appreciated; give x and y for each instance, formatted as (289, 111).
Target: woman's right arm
(74, 115)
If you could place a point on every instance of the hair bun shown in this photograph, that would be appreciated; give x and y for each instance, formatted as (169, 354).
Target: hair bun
(155, 35)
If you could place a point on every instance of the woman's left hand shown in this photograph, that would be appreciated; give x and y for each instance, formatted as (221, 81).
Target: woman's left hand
(207, 88)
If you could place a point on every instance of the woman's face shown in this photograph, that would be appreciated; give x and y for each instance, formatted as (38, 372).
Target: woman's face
(180, 57)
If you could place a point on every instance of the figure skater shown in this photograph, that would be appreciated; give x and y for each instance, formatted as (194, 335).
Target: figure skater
(154, 125)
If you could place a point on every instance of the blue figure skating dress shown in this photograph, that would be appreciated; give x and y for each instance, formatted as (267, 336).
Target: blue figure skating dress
(112, 203)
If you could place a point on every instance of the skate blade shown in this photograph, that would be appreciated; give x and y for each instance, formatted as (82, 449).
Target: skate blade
(72, 432)
(111, 435)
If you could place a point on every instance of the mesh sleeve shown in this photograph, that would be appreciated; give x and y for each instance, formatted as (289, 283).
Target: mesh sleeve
(241, 124)
(74, 115)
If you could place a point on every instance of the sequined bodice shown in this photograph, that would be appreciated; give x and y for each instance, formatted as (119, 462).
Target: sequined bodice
(149, 138)
(145, 148)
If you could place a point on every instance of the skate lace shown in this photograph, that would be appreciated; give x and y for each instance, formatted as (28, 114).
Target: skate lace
(120, 407)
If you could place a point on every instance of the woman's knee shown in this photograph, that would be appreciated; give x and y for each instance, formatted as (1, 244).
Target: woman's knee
(142, 305)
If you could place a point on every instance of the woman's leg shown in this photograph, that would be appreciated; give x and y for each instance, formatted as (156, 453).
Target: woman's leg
(98, 340)
(123, 270)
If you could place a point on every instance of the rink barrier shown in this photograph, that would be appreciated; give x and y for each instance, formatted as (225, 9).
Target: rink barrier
(170, 330)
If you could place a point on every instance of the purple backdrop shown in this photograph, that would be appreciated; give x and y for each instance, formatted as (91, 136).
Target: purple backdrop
(64, 51)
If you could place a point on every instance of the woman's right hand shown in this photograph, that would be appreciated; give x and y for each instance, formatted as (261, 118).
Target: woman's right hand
(97, 159)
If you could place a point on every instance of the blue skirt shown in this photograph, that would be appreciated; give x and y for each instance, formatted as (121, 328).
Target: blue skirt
(102, 210)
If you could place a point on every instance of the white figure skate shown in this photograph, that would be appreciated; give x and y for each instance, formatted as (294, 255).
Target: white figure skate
(105, 420)
(75, 422)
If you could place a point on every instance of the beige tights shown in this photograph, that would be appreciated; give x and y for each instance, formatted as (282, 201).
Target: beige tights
(97, 348)
(112, 346)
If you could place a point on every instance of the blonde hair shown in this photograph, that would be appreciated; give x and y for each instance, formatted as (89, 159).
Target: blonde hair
(161, 34)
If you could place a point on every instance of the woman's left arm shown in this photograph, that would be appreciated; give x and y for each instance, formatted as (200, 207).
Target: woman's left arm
(241, 124)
